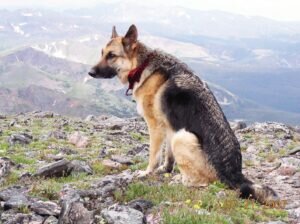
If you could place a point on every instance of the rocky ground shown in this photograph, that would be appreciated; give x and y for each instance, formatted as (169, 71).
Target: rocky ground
(55, 169)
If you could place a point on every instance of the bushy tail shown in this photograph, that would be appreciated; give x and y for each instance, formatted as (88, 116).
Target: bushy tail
(262, 194)
(250, 190)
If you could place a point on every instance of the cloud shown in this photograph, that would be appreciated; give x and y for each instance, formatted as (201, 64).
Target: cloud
(275, 9)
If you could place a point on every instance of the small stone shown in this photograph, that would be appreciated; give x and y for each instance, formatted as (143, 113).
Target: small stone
(73, 210)
(251, 149)
(45, 208)
(57, 134)
(78, 166)
(16, 201)
(5, 167)
(51, 220)
(25, 175)
(119, 214)
(122, 159)
(90, 118)
(79, 140)
(111, 164)
(295, 213)
(287, 171)
(239, 125)
(22, 138)
(276, 222)
(7, 193)
(46, 114)
(140, 205)
(55, 169)
(12, 123)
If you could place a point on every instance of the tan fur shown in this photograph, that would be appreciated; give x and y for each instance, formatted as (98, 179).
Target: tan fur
(145, 96)
(124, 61)
(184, 146)
(192, 162)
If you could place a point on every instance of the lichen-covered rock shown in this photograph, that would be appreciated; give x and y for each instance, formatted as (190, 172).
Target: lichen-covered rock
(118, 214)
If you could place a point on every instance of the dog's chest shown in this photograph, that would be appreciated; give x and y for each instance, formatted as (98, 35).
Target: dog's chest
(139, 108)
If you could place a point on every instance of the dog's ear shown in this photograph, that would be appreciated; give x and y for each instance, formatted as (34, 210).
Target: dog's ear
(130, 37)
(114, 33)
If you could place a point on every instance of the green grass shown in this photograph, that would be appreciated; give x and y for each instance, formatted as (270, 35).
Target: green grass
(187, 202)
(22, 159)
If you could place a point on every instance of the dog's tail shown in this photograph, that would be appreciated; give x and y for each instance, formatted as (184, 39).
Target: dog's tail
(250, 190)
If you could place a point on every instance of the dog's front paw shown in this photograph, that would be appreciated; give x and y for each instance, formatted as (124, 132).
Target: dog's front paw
(142, 173)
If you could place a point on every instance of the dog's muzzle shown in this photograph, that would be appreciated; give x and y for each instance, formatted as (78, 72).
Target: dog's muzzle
(93, 72)
(104, 73)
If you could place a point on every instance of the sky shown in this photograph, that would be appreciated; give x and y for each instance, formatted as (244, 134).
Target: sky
(285, 10)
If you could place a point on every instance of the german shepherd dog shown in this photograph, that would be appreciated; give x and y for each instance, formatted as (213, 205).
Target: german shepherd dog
(180, 109)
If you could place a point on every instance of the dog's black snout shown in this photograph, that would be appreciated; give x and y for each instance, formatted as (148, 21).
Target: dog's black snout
(93, 72)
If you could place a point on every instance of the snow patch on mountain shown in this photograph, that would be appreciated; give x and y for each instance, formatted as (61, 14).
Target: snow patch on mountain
(17, 29)
(180, 49)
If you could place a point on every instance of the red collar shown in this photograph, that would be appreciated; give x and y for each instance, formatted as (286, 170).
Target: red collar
(135, 74)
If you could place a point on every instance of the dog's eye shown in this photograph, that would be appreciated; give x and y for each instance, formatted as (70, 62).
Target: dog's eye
(110, 55)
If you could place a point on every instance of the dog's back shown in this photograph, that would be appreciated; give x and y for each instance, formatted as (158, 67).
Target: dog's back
(189, 104)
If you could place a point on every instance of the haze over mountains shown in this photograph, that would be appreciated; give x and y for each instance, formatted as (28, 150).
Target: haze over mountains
(251, 63)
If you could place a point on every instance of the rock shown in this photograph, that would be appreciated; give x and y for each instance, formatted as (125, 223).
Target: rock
(73, 211)
(2, 116)
(103, 153)
(22, 138)
(78, 166)
(119, 214)
(46, 114)
(51, 220)
(12, 123)
(122, 159)
(252, 149)
(45, 208)
(56, 157)
(286, 171)
(24, 176)
(7, 193)
(115, 127)
(295, 213)
(57, 134)
(5, 167)
(90, 118)
(276, 222)
(79, 140)
(296, 183)
(16, 201)
(238, 125)
(111, 164)
(68, 151)
(17, 218)
(140, 205)
(55, 169)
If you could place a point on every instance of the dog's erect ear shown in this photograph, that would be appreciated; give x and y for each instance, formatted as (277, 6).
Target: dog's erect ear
(131, 36)
(114, 33)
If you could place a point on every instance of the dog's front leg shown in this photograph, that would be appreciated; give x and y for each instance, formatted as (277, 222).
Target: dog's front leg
(167, 167)
(157, 136)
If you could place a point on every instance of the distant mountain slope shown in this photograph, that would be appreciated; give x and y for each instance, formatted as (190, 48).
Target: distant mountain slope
(32, 80)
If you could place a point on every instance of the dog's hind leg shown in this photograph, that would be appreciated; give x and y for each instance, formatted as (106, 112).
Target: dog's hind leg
(191, 160)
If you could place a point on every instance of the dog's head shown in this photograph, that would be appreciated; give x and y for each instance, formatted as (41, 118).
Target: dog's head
(118, 56)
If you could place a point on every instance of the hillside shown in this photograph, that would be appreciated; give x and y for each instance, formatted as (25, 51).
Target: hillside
(31, 80)
(54, 169)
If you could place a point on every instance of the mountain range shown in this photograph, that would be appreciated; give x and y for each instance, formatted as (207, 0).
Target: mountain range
(252, 64)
